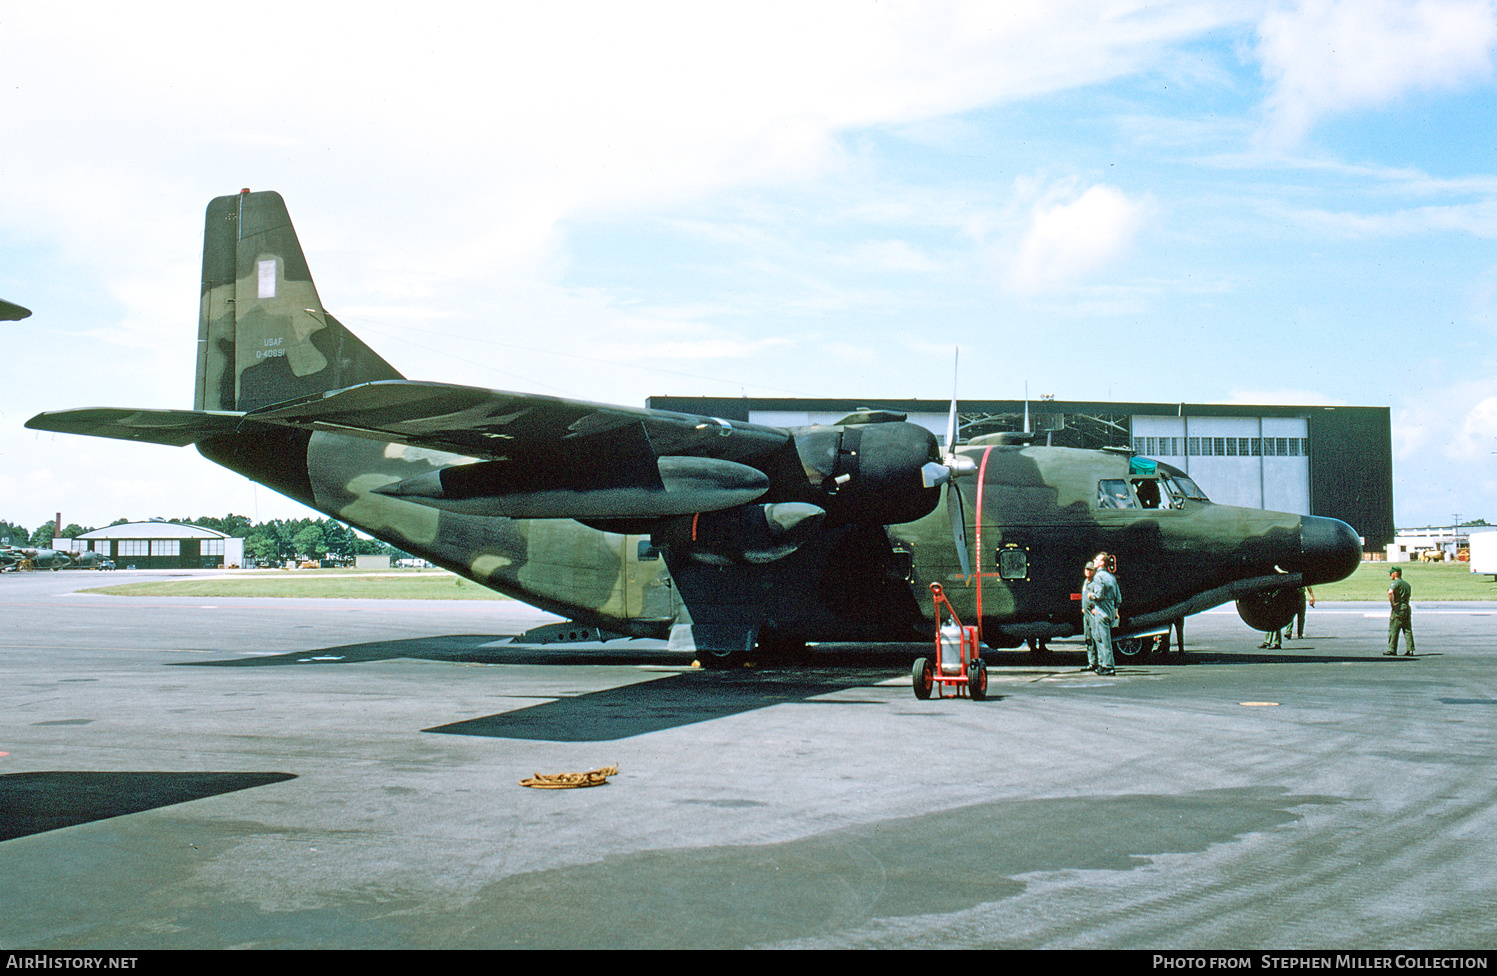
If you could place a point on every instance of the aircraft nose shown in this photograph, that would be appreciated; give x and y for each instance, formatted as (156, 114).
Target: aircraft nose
(1330, 549)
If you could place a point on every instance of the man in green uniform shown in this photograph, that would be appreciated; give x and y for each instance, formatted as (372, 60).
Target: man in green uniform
(1399, 617)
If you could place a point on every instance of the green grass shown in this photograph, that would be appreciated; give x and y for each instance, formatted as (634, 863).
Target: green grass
(334, 584)
(1430, 581)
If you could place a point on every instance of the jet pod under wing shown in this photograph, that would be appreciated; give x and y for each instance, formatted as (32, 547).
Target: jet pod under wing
(519, 489)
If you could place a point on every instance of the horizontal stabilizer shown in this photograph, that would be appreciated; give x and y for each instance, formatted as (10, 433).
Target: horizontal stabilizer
(177, 428)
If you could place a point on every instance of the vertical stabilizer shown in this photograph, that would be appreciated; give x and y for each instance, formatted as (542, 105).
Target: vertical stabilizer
(263, 335)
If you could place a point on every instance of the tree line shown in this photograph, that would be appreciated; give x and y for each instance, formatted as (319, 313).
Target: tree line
(266, 542)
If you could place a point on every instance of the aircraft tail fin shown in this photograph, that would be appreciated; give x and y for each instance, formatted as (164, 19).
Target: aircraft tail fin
(263, 335)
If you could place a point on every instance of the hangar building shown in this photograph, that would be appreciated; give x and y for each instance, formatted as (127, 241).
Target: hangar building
(1334, 461)
(164, 545)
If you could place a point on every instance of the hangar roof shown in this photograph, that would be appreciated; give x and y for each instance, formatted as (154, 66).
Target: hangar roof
(154, 530)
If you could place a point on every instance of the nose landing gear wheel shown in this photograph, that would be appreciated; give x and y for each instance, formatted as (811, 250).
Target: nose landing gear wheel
(1133, 650)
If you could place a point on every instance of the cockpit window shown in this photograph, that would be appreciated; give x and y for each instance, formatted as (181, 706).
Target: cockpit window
(1114, 494)
(1188, 489)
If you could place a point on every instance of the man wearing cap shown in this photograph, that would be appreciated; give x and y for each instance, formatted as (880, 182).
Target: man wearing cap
(1106, 603)
(1399, 615)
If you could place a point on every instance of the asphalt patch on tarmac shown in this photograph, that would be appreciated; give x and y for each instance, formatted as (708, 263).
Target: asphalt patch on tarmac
(938, 863)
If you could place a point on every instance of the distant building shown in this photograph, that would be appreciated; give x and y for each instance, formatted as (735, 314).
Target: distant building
(1410, 544)
(164, 545)
(1333, 461)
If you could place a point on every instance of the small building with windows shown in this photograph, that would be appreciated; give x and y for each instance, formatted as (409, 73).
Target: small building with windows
(163, 545)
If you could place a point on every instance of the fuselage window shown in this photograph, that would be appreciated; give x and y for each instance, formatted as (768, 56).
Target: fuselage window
(1114, 494)
(901, 565)
(1149, 495)
(1013, 563)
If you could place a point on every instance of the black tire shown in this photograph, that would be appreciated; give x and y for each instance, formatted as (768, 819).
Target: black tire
(923, 676)
(1132, 650)
(780, 649)
(977, 680)
(721, 660)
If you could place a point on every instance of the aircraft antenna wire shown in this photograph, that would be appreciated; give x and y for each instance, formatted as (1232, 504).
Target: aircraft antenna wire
(982, 473)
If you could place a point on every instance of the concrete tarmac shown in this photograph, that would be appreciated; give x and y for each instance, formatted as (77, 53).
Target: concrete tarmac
(265, 773)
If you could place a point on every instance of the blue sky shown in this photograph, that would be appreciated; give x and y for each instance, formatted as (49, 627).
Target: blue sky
(1205, 202)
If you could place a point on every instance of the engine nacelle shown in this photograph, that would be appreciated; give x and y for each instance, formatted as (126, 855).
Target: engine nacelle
(749, 534)
(870, 474)
(1270, 609)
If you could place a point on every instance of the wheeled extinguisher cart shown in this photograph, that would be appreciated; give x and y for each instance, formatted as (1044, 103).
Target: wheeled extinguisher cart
(956, 663)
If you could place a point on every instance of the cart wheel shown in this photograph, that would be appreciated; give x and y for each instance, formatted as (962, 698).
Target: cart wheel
(977, 680)
(924, 677)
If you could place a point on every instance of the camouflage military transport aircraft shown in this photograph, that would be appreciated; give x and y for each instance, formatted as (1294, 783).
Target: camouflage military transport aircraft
(29, 557)
(731, 539)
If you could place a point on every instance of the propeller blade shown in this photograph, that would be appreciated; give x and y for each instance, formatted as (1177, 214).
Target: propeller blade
(958, 525)
(951, 417)
(957, 466)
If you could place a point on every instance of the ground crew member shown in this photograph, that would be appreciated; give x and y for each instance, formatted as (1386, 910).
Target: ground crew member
(1400, 616)
(1086, 617)
(1107, 602)
(1305, 595)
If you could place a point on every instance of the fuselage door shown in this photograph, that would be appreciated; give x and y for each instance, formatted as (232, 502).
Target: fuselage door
(648, 593)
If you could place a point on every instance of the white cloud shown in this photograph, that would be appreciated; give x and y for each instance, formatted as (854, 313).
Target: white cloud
(889, 256)
(1068, 239)
(1479, 219)
(1478, 434)
(1326, 56)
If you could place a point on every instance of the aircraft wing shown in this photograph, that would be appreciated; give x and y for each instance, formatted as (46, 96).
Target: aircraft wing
(10, 311)
(177, 428)
(537, 456)
(495, 424)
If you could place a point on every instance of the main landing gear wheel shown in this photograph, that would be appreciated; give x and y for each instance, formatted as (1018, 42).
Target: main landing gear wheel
(1133, 650)
(977, 680)
(721, 660)
(923, 674)
(781, 649)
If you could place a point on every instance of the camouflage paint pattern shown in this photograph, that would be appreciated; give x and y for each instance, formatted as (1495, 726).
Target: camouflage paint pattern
(287, 396)
(263, 335)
